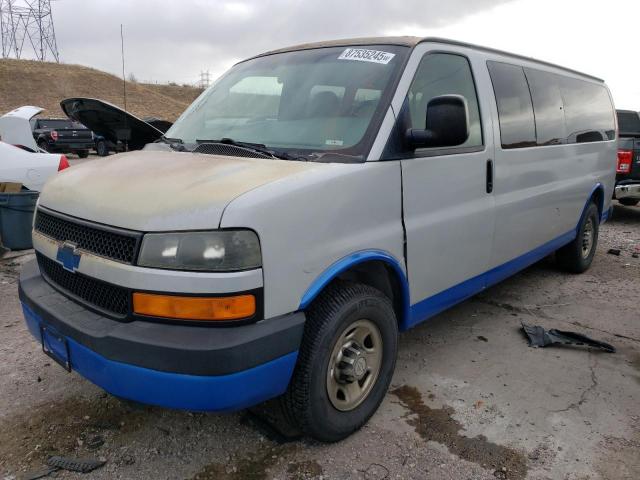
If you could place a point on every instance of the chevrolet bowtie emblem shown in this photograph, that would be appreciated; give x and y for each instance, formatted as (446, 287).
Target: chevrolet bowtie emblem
(69, 256)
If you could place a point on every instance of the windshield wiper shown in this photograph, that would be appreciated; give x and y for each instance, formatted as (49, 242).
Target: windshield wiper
(255, 147)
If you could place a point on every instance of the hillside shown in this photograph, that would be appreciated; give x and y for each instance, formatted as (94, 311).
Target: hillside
(43, 84)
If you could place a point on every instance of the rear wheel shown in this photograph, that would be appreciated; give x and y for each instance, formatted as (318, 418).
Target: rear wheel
(577, 256)
(101, 148)
(629, 202)
(83, 153)
(345, 363)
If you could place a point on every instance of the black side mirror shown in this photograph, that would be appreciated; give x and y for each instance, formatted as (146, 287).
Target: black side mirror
(447, 124)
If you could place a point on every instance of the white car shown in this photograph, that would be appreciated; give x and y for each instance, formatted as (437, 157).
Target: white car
(32, 169)
(16, 129)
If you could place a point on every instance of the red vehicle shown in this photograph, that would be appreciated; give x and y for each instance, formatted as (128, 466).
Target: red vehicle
(627, 190)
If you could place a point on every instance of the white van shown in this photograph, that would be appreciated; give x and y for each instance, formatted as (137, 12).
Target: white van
(310, 205)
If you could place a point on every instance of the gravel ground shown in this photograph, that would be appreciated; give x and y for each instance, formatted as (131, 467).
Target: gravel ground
(469, 399)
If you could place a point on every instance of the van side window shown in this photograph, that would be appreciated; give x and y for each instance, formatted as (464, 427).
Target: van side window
(588, 111)
(444, 74)
(515, 110)
(547, 107)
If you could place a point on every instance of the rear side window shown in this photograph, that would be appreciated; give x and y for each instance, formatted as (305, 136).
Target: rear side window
(547, 107)
(588, 111)
(515, 110)
(629, 122)
(61, 124)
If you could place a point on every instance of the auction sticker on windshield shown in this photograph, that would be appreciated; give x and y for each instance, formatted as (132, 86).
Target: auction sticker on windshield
(365, 55)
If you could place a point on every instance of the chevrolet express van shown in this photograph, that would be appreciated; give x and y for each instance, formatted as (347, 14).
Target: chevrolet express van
(310, 205)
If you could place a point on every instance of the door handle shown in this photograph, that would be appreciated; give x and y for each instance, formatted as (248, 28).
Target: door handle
(489, 176)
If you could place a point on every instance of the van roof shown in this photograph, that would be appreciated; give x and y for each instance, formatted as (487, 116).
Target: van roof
(411, 42)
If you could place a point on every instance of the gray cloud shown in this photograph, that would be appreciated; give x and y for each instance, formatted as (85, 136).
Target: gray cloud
(175, 40)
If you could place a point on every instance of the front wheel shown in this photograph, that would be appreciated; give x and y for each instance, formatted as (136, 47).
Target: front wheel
(629, 202)
(577, 256)
(345, 363)
(83, 153)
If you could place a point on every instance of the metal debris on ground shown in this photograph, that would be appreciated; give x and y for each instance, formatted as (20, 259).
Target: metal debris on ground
(539, 337)
(82, 465)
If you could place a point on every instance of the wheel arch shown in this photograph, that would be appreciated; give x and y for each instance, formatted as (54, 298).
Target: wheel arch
(597, 197)
(375, 268)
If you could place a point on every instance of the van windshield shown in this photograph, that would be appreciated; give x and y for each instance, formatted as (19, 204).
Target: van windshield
(308, 101)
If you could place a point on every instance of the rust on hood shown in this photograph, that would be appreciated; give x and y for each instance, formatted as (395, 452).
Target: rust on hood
(160, 191)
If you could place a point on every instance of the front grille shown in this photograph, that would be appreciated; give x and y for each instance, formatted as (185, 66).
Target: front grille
(106, 297)
(106, 242)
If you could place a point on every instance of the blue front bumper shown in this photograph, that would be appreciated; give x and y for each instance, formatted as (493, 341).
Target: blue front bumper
(175, 390)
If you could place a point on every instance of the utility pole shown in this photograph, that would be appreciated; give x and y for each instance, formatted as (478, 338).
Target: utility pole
(124, 78)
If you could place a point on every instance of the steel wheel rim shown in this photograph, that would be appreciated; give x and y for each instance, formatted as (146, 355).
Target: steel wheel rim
(587, 238)
(354, 365)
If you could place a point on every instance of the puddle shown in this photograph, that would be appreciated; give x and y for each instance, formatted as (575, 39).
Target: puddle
(269, 461)
(439, 426)
(304, 470)
(255, 466)
(64, 428)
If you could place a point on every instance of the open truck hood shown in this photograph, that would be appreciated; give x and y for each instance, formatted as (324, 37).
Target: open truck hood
(161, 191)
(111, 122)
(16, 129)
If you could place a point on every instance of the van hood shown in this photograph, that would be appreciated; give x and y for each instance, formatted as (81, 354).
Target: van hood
(160, 191)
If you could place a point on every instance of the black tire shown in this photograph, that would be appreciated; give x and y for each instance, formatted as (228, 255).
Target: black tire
(307, 402)
(83, 153)
(101, 148)
(43, 145)
(572, 257)
(628, 202)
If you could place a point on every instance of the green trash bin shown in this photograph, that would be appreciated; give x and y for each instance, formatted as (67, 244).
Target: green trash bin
(16, 218)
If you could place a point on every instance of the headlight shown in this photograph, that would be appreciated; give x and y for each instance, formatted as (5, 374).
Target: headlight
(224, 250)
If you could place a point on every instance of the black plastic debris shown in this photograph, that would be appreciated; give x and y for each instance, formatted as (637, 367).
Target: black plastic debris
(94, 442)
(539, 337)
(82, 465)
(614, 251)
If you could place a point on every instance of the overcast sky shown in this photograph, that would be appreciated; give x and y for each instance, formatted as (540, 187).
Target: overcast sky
(174, 40)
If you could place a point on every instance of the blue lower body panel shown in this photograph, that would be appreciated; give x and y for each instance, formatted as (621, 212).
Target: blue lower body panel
(173, 390)
(448, 298)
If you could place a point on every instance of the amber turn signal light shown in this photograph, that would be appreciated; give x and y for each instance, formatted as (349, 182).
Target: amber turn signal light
(194, 308)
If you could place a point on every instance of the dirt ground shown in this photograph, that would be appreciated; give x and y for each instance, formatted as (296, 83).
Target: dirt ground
(45, 84)
(469, 399)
